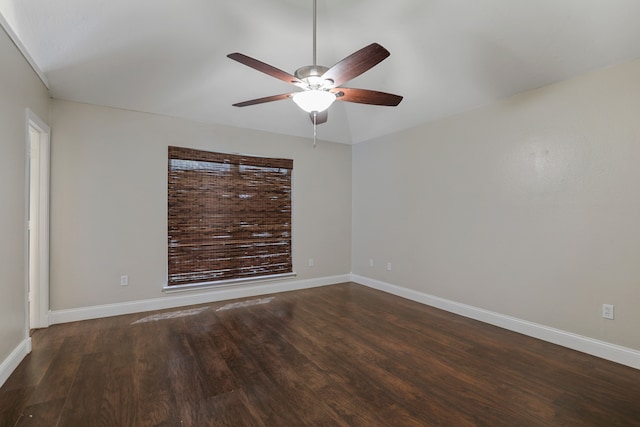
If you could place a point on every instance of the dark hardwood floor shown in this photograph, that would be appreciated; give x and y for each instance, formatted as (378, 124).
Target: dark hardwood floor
(342, 355)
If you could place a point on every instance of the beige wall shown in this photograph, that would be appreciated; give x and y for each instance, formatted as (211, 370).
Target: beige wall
(109, 200)
(529, 207)
(20, 88)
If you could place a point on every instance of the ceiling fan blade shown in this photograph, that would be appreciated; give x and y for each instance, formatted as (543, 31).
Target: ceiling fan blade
(266, 68)
(263, 100)
(321, 117)
(355, 64)
(365, 96)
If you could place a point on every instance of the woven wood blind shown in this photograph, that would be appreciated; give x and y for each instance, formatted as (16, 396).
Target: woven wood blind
(229, 216)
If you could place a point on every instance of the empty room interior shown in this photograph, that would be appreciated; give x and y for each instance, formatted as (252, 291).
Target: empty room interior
(452, 239)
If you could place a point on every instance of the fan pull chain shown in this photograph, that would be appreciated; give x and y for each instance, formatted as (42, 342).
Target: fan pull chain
(315, 126)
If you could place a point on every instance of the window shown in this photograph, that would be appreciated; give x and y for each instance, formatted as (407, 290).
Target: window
(229, 217)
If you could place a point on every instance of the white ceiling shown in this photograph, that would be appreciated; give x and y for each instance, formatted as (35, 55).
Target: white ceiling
(447, 56)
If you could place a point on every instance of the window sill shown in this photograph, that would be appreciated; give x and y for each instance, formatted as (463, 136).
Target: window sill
(225, 283)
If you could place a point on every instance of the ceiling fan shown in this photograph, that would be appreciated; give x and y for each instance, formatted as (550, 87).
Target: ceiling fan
(320, 85)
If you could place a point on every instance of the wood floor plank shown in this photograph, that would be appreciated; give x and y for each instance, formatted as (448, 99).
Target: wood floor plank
(42, 414)
(250, 342)
(228, 410)
(297, 377)
(399, 348)
(12, 405)
(361, 367)
(117, 408)
(217, 377)
(263, 397)
(85, 396)
(61, 371)
(340, 377)
(153, 396)
(336, 355)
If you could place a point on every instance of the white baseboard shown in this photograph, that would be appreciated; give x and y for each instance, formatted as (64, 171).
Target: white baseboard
(13, 360)
(191, 298)
(602, 349)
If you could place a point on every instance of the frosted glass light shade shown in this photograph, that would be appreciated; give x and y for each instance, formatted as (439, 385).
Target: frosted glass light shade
(314, 100)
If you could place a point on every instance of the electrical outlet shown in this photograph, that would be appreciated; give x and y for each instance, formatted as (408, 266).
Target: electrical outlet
(124, 280)
(311, 263)
(607, 311)
(388, 266)
(370, 262)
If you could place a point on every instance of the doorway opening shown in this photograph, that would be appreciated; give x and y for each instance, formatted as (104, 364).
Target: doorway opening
(38, 162)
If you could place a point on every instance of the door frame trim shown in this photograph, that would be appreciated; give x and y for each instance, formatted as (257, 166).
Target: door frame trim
(40, 225)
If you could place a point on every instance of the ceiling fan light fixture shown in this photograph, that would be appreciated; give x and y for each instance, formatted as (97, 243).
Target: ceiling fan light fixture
(314, 100)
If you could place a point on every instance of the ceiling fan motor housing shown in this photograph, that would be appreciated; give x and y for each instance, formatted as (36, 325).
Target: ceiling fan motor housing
(312, 76)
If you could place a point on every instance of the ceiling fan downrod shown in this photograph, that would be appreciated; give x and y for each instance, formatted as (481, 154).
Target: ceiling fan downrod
(315, 19)
(310, 74)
